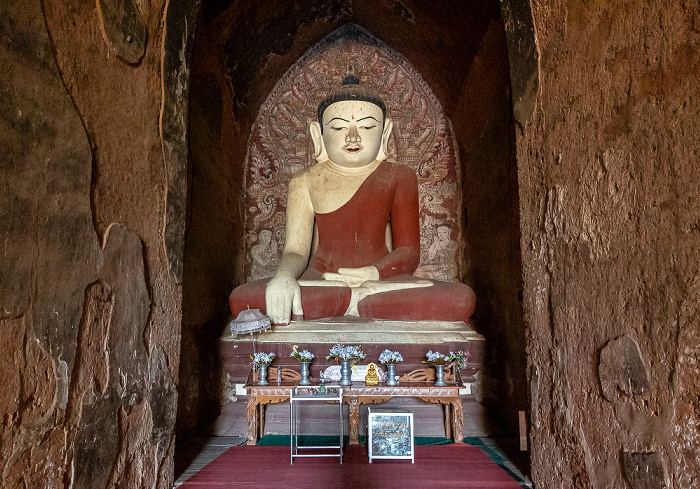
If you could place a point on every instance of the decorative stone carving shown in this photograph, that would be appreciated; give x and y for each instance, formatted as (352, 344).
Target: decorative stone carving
(280, 145)
(112, 368)
(94, 331)
(621, 367)
(264, 256)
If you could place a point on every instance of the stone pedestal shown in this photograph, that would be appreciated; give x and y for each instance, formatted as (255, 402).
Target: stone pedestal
(411, 338)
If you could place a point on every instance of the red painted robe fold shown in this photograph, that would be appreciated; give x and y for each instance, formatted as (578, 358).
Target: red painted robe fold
(354, 236)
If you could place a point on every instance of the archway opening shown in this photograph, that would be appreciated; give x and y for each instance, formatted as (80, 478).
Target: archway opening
(240, 53)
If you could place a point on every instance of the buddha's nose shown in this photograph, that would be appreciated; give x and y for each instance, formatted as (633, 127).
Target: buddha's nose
(353, 136)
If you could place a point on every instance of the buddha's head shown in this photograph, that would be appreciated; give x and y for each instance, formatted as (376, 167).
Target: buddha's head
(352, 129)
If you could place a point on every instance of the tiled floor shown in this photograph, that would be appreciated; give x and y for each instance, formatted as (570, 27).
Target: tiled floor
(231, 429)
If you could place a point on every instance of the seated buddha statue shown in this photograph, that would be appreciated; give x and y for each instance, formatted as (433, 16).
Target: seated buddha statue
(367, 243)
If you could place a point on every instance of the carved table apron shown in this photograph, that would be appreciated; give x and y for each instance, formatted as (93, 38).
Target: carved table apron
(357, 394)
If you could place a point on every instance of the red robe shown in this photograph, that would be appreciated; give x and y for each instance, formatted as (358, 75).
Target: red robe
(354, 236)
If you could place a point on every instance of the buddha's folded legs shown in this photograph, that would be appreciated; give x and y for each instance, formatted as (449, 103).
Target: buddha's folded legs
(442, 301)
(318, 302)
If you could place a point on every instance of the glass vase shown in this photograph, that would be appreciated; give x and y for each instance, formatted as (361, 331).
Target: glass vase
(440, 375)
(391, 374)
(262, 374)
(304, 373)
(345, 373)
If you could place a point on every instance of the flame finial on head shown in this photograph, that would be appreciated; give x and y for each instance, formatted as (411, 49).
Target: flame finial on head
(350, 78)
(350, 89)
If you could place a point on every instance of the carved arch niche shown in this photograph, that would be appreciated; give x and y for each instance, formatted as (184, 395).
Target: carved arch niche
(280, 145)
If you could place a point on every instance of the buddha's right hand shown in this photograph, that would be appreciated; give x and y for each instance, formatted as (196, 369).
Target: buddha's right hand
(282, 298)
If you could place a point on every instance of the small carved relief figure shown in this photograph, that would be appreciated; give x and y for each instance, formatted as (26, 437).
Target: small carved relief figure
(264, 256)
(442, 257)
(352, 195)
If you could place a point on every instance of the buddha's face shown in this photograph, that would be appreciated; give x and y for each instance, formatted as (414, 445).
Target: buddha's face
(353, 133)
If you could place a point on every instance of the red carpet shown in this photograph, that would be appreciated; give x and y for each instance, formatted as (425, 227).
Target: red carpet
(455, 465)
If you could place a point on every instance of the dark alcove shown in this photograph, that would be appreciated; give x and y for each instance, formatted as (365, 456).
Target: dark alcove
(241, 50)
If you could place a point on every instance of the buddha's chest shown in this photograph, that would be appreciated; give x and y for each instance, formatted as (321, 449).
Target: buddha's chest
(329, 192)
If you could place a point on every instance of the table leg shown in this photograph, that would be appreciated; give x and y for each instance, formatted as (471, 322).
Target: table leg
(261, 420)
(448, 421)
(251, 412)
(458, 420)
(354, 427)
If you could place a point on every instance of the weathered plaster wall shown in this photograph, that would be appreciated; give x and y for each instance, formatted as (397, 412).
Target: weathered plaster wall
(483, 125)
(89, 311)
(610, 199)
(215, 233)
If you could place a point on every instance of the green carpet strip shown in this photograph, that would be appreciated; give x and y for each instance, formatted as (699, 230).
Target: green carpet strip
(321, 440)
(496, 457)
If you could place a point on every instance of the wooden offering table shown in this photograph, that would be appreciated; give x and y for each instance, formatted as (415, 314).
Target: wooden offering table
(258, 397)
(448, 396)
(354, 396)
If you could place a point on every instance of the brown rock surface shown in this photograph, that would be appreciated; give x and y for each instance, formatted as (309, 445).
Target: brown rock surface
(644, 470)
(609, 204)
(91, 331)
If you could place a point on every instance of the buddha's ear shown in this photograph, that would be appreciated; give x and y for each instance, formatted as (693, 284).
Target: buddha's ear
(317, 138)
(384, 148)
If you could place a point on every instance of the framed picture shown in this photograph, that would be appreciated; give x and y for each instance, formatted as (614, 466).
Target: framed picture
(390, 434)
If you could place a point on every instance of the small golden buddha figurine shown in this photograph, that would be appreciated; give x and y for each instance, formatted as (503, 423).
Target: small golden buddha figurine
(371, 378)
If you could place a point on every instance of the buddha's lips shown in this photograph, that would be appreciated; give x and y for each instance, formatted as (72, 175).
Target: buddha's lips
(352, 150)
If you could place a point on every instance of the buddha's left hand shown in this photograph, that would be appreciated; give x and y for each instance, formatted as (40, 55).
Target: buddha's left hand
(354, 277)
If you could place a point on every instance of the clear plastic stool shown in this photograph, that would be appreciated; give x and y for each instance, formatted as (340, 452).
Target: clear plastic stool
(314, 393)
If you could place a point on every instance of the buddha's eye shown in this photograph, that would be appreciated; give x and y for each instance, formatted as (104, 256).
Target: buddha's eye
(337, 128)
(368, 127)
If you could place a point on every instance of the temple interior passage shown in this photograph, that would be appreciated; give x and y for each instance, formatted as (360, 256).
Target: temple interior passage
(515, 179)
(250, 132)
